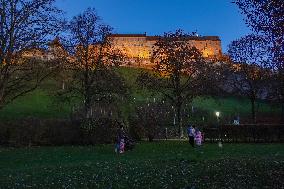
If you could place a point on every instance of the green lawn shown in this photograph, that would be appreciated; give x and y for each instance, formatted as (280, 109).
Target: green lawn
(36, 104)
(234, 106)
(149, 165)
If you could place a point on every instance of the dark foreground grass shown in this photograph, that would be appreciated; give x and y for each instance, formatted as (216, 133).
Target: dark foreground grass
(149, 165)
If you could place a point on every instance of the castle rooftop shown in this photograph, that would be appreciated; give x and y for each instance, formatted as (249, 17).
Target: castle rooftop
(153, 38)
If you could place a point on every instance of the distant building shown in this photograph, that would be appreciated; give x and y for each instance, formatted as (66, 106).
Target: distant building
(54, 51)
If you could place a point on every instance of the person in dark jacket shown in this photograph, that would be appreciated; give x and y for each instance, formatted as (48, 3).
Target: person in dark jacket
(191, 135)
(120, 137)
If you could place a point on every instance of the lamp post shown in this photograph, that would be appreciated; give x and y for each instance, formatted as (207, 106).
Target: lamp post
(217, 115)
(219, 128)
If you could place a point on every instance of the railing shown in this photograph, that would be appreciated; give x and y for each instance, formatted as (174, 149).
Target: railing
(245, 133)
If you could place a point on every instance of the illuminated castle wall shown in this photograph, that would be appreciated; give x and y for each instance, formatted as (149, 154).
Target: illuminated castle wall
(138, 47)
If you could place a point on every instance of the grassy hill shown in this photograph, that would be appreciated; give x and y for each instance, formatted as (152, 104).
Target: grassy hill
(35, 104)
(41, 104)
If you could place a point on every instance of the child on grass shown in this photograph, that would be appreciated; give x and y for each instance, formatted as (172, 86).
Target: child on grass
(117, 147)
(198, 138)
(121, 146)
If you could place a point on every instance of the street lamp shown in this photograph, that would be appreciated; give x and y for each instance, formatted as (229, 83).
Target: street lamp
(218, 115)
(219, 128)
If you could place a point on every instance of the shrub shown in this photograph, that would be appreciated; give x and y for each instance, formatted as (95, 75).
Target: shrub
(31, 131)
(102, 130)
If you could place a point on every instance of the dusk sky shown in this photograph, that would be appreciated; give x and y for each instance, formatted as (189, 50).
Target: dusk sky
(207, 17)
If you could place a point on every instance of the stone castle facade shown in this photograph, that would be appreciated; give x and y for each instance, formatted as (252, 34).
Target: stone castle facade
(138, 47)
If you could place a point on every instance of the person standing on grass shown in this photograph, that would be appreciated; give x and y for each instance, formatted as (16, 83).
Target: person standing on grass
(117, 144)
(122, 146)
(198, 138)
(120, 139)
(191, 135)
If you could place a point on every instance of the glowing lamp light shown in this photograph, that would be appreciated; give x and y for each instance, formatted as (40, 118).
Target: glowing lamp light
(217, 114)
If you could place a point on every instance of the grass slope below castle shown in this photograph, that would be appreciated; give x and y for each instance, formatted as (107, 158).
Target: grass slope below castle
(41, 104)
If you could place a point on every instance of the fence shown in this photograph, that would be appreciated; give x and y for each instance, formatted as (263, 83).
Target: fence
(66, 132)
(245, 133)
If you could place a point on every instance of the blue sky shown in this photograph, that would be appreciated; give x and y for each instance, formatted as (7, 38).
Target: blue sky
(207, 17)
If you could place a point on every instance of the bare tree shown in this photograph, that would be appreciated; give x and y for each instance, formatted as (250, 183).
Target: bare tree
(249, 76)
(181, 72)
(151, 116)
(93, 57)
(26, 26)
(266, 17)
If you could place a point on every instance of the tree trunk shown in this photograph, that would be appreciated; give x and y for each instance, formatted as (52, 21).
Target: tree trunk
(150, 137)
(180, 131)
(87, 107)
(63, 85)
(1, 98)
(253, 115)
(281, 91)
(1, 106)
(282, 112)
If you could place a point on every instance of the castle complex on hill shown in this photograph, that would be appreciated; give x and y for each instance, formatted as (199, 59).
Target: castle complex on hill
(138, 47)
